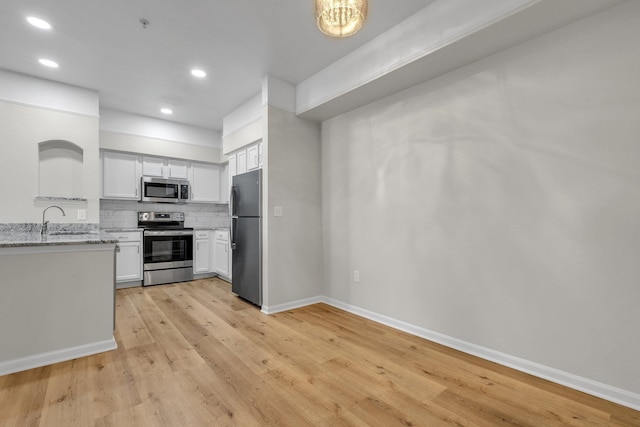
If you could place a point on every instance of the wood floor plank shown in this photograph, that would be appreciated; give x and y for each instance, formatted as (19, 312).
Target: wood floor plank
(132, 416)
(193, 354)
(259, 397)
(132, 331)
(112, 383)
(22, 397)
(176, 351)
(69, 399)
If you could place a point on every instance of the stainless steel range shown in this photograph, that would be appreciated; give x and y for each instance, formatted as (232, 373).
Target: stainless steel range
(167, 247)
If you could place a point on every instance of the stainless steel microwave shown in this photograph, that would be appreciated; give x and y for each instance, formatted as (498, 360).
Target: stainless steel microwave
(164, 190)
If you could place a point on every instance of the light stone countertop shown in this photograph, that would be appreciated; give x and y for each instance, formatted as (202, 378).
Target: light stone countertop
(12, 239)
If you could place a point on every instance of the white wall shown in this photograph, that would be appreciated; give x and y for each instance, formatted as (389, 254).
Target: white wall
(159, 147)
(134, 124)
(36, 92)
(32, 111)
(500, 203)
(245, 114)
(292, 243)
(133, 133)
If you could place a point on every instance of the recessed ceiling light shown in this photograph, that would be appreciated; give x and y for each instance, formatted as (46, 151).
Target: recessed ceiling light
(166, 111)
(39, 23)
(198, 73)
(48, 63)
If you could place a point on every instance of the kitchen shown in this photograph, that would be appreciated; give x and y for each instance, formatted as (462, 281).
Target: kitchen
(528, 200)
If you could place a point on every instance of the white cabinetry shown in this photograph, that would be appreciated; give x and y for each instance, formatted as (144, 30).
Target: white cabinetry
(225, 186)
(241, 167)
(246, 159)
(165, 168)
(253, 158)
(152, 166)
(202, 250)
(178, 169)
(128, 256)
(205, 182)
(222, 254)
(233, 165)
(120, 176)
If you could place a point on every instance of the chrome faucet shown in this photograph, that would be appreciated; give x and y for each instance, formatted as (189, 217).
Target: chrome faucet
(43, 230)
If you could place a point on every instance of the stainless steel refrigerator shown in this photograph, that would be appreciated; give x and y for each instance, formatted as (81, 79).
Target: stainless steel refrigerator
(246, 236)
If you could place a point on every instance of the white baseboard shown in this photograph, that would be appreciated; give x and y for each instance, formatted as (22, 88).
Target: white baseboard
(44, 359)
(291, 305)
(586, 385)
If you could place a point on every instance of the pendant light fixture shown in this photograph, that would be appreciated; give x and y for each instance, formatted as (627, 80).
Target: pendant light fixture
(341, 18)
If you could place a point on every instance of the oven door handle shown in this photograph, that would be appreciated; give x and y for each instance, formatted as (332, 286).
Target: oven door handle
(168, 233)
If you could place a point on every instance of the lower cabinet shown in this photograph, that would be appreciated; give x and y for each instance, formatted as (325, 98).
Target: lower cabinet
(128, 256)
(202, 262)
(212, 253)
(222, 253)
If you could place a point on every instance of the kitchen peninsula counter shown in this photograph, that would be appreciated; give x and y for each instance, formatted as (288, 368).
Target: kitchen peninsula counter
(57, 297)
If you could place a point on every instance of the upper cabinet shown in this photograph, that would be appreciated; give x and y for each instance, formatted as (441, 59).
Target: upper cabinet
(253, 158)
(178, 169)
(225, 188)
(205, 182)
(165, 168)
(246, 159)
(241, 165)
(121, 175)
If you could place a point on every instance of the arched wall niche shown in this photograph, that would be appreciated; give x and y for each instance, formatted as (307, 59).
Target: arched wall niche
(60, 169)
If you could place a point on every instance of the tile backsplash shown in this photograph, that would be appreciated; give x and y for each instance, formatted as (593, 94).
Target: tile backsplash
(124, 213)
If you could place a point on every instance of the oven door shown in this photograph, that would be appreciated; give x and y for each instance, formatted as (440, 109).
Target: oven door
(164, 249)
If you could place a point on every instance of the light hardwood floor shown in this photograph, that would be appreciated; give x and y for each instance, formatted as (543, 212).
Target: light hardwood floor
(192, 354)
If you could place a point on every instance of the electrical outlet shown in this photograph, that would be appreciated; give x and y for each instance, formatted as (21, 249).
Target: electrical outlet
(356, 276)
(277, 211)
(82, 214)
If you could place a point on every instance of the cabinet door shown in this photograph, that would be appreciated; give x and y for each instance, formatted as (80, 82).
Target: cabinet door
(222, 257)
(120, 175)
(232, 165)
(129, 262)
(225, 188)
(253, 161)
(202, 256)
(242, 162)
(153, 166)
(178, 169)
(205, 182)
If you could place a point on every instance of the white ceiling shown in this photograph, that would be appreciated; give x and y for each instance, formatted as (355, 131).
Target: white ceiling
(101, 45)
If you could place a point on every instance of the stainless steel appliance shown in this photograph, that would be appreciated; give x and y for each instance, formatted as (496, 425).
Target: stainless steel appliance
(246, 236)
(164, 190)
(167, 248)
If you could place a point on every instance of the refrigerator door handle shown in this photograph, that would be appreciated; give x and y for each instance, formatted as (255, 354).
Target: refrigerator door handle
(233, 234)
(232, 201)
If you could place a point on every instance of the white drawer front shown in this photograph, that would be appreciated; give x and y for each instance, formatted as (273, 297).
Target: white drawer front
(222, 235)
(127, 236)
(202, 234)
